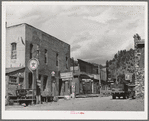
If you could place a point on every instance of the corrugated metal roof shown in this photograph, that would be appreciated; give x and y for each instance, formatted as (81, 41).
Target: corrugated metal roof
(9, 70)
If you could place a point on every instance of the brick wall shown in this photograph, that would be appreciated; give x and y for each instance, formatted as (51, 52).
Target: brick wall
(53, 46)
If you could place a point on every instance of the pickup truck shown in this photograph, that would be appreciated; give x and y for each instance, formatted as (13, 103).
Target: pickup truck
(119, 90)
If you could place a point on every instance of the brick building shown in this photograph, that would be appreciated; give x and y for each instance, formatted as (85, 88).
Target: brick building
(24, 42)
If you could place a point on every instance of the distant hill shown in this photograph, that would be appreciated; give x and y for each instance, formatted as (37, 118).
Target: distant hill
(122, 62)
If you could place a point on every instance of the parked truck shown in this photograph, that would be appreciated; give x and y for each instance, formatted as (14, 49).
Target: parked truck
(119, 90)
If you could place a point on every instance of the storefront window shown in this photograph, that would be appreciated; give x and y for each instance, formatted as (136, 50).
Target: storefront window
(31, 51)
(46, 56)
(66, 62)
(56, 59)
(13, 79)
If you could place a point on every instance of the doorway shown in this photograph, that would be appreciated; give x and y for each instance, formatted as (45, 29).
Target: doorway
(60, 86)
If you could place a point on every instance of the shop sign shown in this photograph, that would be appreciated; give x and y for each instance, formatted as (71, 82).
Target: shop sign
(96, 76)
(66, 79)
(66, 75)
(128, 76)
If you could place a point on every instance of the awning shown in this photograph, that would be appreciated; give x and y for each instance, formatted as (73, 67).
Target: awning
(10, 70)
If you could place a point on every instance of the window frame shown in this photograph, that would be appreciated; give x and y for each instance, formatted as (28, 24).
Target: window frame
(14, 50)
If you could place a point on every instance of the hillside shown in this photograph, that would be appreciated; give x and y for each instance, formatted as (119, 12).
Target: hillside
(122, 62)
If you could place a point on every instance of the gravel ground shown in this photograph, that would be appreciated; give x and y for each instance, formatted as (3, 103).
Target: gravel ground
(86, 104)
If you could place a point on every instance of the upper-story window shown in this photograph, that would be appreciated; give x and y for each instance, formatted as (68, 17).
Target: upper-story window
(31, 51)
(46, 56)
(14, 50)
(66, 62)
(56, 59)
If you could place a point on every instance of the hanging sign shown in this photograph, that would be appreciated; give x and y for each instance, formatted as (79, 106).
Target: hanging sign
(66, 75)
(53, 73)
(33, 64)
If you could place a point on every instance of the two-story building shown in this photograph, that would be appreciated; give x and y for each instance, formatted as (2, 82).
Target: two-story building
(24, 42)
(86, 77)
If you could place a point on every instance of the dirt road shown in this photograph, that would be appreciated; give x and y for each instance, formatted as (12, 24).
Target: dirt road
(87, 104)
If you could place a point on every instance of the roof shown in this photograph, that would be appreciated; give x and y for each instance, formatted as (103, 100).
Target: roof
(9, 70)
(39, 30)
(93, 64)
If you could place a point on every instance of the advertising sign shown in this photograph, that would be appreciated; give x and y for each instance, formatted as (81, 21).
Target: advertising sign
(33, 64)
(128, 76)
(66, 75)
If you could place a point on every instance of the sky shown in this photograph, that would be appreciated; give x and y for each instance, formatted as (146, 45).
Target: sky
(94, 32)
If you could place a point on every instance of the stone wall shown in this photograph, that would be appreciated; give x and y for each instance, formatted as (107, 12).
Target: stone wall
(139, 67)
(139, 82)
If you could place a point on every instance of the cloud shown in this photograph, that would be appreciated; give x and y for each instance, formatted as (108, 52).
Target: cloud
(75, 47)
(95, 32)
(103, 17)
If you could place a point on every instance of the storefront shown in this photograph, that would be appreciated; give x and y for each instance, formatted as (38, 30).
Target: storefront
(65, 83)
(14, 80)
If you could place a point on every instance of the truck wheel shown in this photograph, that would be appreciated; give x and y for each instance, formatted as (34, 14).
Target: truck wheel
(113, 96)
(124, 97)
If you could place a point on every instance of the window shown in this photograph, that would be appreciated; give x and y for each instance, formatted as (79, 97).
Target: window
(31, 51)
(14, 50)
(56, 59)
(13, 79)
(46, 56)
(66, 62)
(45, 82)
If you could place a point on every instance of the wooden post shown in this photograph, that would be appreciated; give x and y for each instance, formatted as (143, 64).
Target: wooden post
(7, 88)
(66, 87)
(33, 85)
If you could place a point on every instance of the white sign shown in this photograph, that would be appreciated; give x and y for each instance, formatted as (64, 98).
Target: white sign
(33, 64)
(66, 75)
(128, 76)
(53, 73)
(66, 79)
(96, 76)
(39, 81)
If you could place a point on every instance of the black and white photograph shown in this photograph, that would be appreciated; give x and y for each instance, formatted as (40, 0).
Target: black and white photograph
(74, 60)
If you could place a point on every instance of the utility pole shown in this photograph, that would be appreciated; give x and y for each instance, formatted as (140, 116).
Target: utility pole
(73, 83)
(38, 96)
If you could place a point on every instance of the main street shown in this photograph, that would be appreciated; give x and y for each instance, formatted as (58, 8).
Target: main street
(86, 104)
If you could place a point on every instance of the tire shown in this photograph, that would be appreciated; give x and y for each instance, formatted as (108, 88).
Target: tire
(124, 96)
(113, 96)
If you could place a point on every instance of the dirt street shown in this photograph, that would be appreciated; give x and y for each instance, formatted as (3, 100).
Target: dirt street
(87, 104)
